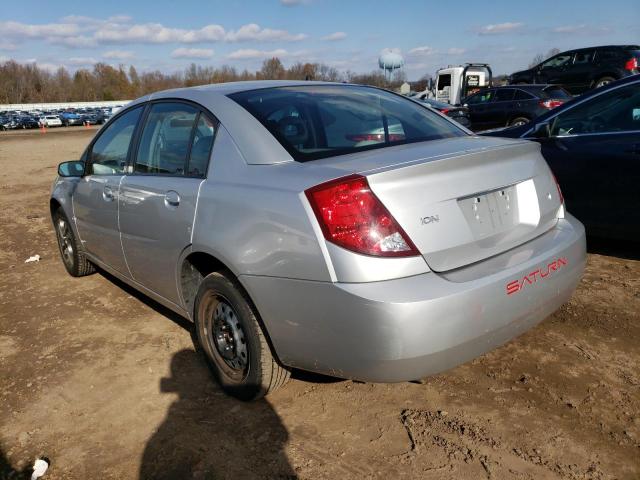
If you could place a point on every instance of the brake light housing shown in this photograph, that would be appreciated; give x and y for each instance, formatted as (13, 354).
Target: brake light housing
(550, 104)
(632, 64)
(353, 217)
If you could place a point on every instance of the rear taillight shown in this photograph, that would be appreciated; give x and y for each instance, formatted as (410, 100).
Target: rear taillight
(445, 111)
(549, 104)
(632, 64)
(352, 217)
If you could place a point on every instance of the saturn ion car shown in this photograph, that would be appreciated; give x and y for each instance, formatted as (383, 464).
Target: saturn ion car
(333, 228)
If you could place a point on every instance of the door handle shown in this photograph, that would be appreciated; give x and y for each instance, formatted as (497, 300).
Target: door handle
(171, 199)
(107, 194)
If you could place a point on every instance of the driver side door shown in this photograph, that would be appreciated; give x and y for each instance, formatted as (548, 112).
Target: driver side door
(555, 70)
(95, 199)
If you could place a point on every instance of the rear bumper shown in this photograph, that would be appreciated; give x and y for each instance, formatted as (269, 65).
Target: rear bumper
(408, 328)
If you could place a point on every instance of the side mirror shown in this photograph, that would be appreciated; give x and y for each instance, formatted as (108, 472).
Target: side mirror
(74, 168)
(541, 130)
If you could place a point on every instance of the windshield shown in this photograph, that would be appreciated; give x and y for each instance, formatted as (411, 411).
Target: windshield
(320, 121)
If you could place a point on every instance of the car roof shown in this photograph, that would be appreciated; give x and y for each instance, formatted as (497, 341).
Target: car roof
(235, 87)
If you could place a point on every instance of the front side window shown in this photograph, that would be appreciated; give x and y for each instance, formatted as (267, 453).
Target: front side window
(109, 152)
(164, 145)
(320, 121)
(615, 111)
(558, 61)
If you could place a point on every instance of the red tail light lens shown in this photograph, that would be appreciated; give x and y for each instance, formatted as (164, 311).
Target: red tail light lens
(549, 104)
(632, 64)
(352, 217)
(445, 111)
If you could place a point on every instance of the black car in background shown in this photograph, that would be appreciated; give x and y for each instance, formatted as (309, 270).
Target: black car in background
(458, 113)
(592, 145)
(27, 122)
(512, 105)
(585, 68)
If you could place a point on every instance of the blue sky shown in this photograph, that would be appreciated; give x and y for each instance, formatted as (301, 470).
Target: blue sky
(346, 34)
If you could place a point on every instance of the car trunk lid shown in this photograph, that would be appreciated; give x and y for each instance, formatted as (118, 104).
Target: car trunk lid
(462, 200)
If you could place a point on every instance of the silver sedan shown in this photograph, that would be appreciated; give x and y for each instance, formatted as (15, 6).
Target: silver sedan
(335, 228)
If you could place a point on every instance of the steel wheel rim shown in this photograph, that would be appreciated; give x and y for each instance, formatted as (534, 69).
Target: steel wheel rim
(65, 241)
(226, 337)
(603, 83)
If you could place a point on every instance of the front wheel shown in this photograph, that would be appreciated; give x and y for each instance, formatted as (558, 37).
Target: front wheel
(73, 259)
(232, 340)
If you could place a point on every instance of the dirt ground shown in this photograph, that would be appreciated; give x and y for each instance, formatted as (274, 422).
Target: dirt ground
(107, 384)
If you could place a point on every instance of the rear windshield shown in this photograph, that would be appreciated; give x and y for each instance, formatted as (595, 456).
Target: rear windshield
(556, 92)
(319, 121)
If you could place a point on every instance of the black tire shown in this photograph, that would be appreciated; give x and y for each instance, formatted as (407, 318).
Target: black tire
(232, 340)
(601, 82)
(72, 257)
(518, 121)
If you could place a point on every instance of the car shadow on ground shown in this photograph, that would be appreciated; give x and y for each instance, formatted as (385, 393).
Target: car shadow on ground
(207, 434)
(614, 248)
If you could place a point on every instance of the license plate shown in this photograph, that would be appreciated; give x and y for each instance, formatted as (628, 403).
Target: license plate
(491, 212)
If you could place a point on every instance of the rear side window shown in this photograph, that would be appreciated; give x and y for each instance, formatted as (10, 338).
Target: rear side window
(522, 95)
(555, 92)
(503, 95)
(320, 121)
(582, 58)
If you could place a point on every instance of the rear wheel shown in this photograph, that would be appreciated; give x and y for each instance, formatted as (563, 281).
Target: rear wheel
(73, 259)
(233, 341)
(516, 122)
(603, 81)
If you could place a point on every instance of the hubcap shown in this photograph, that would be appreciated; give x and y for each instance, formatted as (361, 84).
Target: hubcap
(65, 241)
(228, 337)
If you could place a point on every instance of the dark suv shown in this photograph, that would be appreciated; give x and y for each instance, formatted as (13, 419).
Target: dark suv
(585, 68)
(512, 105)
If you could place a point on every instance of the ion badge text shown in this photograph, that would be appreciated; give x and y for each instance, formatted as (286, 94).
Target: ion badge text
(430, 219)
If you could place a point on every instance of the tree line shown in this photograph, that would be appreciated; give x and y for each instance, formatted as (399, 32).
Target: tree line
(28, 83)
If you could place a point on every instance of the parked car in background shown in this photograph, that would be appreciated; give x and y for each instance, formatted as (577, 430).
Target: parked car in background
(293, 238)
(592, 144)
(28, 122)
(585, 68)
(512, 105)
(94, 118)
(458, 113)
(69, 119)
(50, 121)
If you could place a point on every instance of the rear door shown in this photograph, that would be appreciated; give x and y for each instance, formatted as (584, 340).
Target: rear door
(577, 76)
(594, 151)
(502, 106)
(158, 199)
(95, 200)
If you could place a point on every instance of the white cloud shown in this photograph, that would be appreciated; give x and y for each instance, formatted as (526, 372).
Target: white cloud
(77, 31)
(582, 29)
(81, 61)
(199, 53)
(422, 51)
(118, 54)
(335, 36)
(455, 51)
(251, 53)
(7, 45)
(499, 28)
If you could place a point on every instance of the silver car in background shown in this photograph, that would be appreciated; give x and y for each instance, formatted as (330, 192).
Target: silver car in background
(334, 228)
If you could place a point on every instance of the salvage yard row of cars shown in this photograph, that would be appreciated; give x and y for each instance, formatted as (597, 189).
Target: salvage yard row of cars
(11, 120)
